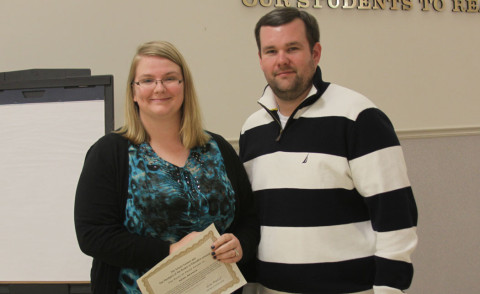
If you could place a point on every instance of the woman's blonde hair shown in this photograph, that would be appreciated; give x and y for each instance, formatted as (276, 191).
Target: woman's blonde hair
(191, 126)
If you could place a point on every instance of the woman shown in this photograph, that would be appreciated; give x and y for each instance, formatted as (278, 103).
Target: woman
(146, 189)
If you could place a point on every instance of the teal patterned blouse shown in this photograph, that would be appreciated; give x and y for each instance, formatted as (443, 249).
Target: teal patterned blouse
(168, 202)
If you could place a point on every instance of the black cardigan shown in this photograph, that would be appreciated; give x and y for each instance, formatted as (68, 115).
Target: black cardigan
(99, 213)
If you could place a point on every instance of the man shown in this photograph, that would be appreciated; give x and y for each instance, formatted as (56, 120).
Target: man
(335, 204)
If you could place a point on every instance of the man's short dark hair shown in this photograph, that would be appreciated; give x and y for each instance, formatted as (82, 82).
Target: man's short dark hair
(281, 16)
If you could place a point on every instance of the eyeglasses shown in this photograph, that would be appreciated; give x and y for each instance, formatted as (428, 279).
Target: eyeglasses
(152, 83)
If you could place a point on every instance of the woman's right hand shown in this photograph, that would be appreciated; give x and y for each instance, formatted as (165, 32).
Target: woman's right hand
(175, 246)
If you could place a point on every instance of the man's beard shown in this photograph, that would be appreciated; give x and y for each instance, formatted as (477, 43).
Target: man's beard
(299, 85)
(293, 91)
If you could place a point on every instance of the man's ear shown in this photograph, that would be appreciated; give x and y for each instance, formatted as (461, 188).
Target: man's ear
(260, 60)
(317, 52)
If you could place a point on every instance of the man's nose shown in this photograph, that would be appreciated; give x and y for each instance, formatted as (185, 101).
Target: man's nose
(282, 57)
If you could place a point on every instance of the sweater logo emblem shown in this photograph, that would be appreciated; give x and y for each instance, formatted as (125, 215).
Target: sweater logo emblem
(306, 159)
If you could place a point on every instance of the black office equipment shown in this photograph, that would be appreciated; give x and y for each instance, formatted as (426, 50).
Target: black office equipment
(77, 84)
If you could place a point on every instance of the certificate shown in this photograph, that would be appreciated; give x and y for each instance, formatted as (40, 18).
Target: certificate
(192, 269)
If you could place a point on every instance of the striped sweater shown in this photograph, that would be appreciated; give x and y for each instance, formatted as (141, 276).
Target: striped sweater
(336, 208)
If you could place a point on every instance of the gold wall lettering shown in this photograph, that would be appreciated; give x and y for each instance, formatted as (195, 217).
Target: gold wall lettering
(467, 6)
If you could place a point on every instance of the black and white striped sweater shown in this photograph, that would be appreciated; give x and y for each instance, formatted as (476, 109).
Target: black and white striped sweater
(336, 208)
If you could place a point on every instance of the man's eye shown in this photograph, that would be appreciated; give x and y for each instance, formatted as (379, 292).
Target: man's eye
(292, 49)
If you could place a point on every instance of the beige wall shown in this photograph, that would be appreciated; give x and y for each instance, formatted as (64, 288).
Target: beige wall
(445, 178)
(421, 67)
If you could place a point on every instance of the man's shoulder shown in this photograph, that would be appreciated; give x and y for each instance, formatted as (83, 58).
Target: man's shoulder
(258, 118)
(342, 101)
(335, 91)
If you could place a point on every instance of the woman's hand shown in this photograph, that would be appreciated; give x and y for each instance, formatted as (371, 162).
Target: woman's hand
(175, 246)
(227, 249)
